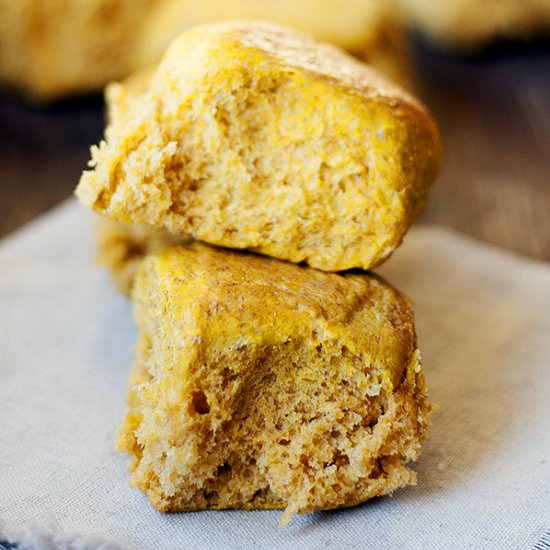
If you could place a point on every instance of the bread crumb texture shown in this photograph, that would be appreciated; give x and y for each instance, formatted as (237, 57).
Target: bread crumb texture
(262, 384)
(252, 136)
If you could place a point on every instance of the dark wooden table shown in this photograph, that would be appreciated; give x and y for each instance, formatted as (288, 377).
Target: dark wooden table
(494, 115)
(493, 110)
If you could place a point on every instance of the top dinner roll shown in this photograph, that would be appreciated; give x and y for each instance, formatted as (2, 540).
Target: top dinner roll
(253, 136)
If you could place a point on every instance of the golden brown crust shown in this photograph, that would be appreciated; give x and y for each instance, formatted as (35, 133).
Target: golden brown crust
(265, 139)
(260, 384)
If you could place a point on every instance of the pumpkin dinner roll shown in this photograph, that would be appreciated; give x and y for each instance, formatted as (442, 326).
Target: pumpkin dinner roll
(262, 384)
(252, 136)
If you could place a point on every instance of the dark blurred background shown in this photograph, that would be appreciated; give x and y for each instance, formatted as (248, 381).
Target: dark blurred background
(493, 109)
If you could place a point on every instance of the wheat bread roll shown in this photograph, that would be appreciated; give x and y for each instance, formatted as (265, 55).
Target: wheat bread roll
(252, 136)
(262, 384)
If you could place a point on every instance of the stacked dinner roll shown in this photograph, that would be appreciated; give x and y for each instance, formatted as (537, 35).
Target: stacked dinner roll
(241, 183)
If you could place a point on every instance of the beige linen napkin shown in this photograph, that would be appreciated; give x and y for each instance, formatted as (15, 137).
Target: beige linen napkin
(66, 345)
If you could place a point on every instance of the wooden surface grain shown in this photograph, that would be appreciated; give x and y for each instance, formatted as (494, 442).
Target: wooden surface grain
(494, 115)
(493, 110)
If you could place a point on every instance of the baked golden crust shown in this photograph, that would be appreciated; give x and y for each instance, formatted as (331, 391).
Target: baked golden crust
(262, 384)
(470, 24)
(267, 140)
